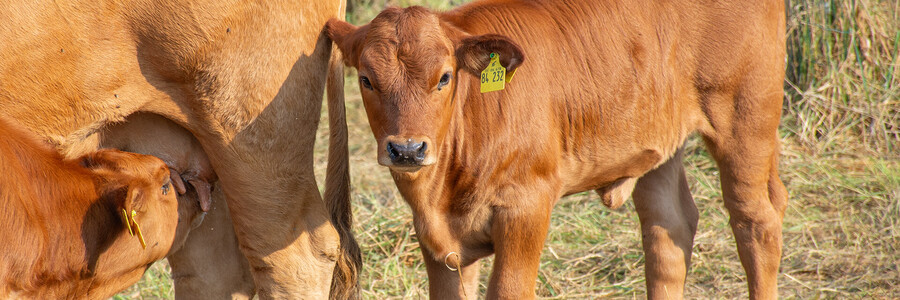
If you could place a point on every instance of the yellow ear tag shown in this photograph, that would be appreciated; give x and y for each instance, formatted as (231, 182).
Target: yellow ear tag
(510, 75)
(127, 222)
(137, 228)
(493, 78)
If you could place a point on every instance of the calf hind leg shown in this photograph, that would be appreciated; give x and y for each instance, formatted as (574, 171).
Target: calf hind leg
(755, 198)
(745, 147)
(668, 223)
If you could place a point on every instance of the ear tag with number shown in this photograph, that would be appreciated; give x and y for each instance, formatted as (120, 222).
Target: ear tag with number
(493, 78)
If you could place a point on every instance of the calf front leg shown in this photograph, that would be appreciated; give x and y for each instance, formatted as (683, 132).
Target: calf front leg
(518, 235)
(444, 283)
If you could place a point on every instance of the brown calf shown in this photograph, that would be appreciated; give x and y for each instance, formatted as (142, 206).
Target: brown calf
(604, 95)
(64, 235)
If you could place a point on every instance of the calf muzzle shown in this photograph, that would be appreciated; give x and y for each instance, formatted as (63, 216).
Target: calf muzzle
(411, 153)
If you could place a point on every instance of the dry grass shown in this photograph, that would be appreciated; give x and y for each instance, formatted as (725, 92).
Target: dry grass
(844, 77)
(840, 162)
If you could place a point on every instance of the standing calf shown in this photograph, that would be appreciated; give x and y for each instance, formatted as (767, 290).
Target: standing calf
(64, 233)
(606, 97)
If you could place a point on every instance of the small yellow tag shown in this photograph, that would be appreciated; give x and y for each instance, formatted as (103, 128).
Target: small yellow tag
(127, 222)
(140, 235)
(493, 78)
(510, 75)
(137, 228)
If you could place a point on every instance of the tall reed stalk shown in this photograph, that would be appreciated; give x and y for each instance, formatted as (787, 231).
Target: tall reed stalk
(843, 90)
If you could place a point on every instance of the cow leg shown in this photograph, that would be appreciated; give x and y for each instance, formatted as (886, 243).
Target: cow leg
(747, 154)
(756, 200)
(444, 283)
(518, 237)
(668, 218)
(291, 246)
(210, 264)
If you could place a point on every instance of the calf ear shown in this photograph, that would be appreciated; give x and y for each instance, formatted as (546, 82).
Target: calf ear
(474, 53)
(134, 199)
(127, 212)
(103, 159)
(348, 39)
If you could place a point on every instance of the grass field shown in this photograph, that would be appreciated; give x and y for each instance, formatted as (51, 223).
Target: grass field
(840, 162)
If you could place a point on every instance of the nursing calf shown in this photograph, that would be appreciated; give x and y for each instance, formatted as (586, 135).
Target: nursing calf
(205, 259)
(604, 95)
(83, 228)
(191, 174)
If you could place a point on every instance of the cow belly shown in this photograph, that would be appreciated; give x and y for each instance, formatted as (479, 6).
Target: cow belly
(611, 159)
(610, 176)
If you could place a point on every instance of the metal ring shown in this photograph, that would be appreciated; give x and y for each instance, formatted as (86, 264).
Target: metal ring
(448, 256)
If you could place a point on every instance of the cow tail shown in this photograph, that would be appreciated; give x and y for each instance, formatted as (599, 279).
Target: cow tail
(345, 281)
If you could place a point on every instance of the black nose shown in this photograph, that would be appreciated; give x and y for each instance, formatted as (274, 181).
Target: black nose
(411, 153)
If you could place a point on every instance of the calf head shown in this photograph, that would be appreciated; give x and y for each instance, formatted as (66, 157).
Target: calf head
(140, 190)
(409, 63)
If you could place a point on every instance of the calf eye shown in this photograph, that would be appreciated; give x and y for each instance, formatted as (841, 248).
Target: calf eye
(165, 188)
(365, 82)
(444, 81)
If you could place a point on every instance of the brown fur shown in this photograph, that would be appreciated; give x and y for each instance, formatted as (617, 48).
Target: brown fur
(63, 235)
(245, 78)
(205, 258)
(604, 94)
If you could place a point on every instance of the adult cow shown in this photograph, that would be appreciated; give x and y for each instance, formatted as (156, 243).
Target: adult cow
(64, 233)
(246, 78)
(606, 97)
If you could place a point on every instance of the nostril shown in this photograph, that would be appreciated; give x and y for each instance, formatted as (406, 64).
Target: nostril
(392, 150)
(420, 155)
